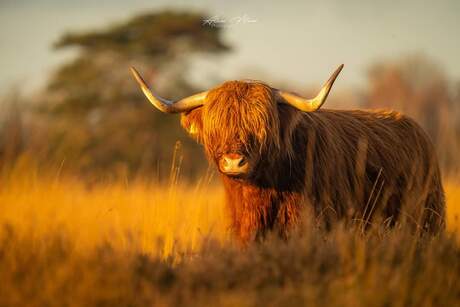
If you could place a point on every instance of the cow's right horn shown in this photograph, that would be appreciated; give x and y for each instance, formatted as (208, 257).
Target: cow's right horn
(169, 106)
(310, 105)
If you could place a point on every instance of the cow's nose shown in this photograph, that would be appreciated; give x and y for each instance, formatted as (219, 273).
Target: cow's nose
(233, 164)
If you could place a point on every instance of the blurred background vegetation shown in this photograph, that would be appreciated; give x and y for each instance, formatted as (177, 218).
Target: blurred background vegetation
(92, 119)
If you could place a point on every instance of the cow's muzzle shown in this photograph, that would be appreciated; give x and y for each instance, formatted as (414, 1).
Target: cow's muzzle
(234, 164)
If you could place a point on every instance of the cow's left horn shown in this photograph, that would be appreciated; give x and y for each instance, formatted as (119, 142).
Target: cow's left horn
(310, 105)
(169, 106)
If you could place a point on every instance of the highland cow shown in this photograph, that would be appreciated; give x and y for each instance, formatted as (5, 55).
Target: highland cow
(279, 154)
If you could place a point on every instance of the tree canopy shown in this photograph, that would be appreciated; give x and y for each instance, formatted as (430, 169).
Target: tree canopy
(97, 117)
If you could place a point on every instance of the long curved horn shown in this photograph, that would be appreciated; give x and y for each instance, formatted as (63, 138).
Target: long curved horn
(310, 105)
(169, 106)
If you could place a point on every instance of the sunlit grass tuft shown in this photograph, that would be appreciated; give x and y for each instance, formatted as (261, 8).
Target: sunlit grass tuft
(452, 189)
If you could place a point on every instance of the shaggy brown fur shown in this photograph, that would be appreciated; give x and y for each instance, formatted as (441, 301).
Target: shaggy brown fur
(363, 167)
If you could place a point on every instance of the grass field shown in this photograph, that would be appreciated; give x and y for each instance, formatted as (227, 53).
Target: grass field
(65, 242)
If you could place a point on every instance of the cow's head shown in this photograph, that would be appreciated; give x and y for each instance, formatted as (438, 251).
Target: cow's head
(241, 123)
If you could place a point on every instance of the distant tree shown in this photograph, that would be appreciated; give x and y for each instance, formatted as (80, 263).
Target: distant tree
(416, 86)
(95, 115)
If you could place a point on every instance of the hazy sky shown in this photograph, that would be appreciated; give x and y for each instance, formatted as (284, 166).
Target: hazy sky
(300, 41)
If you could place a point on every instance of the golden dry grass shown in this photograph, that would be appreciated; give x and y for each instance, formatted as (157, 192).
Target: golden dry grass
(452, 189)
(157, 219)
(138, 243)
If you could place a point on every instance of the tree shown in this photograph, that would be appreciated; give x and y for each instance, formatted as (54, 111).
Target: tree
(95, 115)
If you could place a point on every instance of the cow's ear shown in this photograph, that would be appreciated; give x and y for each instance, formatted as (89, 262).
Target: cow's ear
(192, 122)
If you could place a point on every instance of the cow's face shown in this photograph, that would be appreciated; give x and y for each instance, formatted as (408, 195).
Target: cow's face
(244, 126)
(239, 125)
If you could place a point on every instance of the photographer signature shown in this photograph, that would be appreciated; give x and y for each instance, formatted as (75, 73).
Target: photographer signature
(218, 21)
